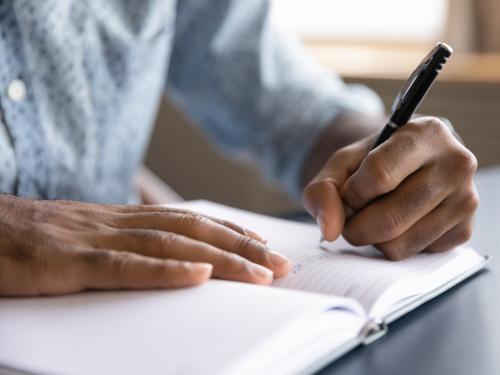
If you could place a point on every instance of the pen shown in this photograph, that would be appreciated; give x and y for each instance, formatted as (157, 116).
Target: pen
(415, 89)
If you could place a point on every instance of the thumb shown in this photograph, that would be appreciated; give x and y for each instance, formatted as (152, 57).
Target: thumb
(321, 197)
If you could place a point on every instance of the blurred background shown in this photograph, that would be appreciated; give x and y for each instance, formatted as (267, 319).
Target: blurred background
(377, 43)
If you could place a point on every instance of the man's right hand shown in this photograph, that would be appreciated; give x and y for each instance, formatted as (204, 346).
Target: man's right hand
(58, 247)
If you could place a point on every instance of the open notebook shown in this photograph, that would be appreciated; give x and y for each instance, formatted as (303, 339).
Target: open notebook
(336, 297)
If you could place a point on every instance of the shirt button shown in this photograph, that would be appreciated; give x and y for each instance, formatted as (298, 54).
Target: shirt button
(16, 91)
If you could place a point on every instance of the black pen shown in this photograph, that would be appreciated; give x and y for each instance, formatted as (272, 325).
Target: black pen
(415, 89)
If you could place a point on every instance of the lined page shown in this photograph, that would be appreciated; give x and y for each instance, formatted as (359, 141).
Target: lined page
(363, 274)
(339, 268)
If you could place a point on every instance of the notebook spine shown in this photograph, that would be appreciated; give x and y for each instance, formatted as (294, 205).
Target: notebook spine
(372, 331)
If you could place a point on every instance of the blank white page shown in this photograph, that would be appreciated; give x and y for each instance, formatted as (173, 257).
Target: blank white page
(200, 330)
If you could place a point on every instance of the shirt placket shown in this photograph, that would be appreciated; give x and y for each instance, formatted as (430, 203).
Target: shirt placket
(19, 114)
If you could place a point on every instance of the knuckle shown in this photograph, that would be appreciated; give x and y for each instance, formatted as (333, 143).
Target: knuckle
(464, 233)
(470, 202)
(417, 240)
(308, 192)
(387, 224)
(167, 240)
(465, 161)
(435, 127)
(192, 223)
(418, 197)
(201, 221)
(244, 244)
(404, 142)
(196, 221)
(342, 154)
(182, 267)
(120, 264)
(177, 210)
(379, 173)
(174, 272)
(314, 190)
(185, 219)
(93, 258)
(91, 220)
(167, 273)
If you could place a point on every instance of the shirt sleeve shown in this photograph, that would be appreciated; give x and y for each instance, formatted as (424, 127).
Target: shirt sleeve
(253, 88)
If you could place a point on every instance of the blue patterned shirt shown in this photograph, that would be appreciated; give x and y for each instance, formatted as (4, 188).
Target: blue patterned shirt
(81, 80)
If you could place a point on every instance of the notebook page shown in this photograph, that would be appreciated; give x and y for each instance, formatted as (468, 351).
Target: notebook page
(200, 330)
(376, 283)
(340, 269)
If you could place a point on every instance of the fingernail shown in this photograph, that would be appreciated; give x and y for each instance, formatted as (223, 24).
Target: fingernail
(256, 236)
(202, 268)
(320, 218)
(277, 259)
(262, 271)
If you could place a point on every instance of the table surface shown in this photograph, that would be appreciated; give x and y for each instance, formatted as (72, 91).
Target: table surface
(456, 333)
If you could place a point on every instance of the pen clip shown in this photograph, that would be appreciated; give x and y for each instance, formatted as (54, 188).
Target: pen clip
(413, 77)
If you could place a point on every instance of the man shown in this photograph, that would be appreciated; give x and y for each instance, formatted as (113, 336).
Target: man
(82, 82)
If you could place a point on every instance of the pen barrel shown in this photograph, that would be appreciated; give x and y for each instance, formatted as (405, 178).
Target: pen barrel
(415, 89)
(412, 100)
(421, 84)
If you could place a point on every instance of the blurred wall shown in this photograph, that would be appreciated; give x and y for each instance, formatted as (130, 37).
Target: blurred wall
(473, 25)
(473, 108)
(181, 156)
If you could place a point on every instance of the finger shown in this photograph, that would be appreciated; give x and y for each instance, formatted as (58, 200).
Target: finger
(203, 229)
(233, 226)
(159, 244)
(386, 167)
(425, 232)
(239, 229)
(322, 200)
(133, 209)
(321, 197)
(169, 210)
(109, 269)
(457, 235)
(394, 213)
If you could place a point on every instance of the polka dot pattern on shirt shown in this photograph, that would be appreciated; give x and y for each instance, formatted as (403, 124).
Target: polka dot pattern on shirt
(93, 72)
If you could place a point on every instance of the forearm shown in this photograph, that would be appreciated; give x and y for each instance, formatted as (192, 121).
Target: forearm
(342, 131)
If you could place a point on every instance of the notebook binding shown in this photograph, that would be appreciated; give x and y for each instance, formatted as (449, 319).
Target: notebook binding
(372, 331)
